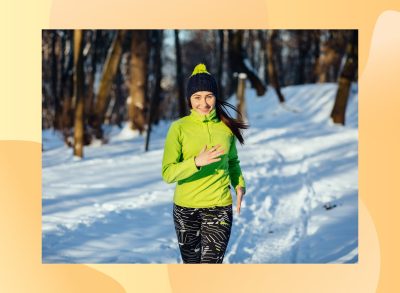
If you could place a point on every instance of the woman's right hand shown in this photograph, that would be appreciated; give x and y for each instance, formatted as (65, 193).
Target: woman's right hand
(207, 157)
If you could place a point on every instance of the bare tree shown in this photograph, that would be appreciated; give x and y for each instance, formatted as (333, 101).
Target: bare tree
(46, 115)
(333, 48)
(67, 91)
(316, 40)
(137, 102)
(346, 77)
(304, 46)
(93, 58)
(78, 94)
(220, 61)
(272, 71)
(55, 84)
(109, 71)
(239, 62)
(179, 76)
(155, 99)
(119, 101)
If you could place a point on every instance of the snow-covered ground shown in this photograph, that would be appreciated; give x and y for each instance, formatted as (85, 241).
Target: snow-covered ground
(301, 204)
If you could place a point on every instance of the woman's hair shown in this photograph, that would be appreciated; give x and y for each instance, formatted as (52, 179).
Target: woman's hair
(235, 125)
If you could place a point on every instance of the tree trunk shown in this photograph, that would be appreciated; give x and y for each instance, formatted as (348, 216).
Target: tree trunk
(157, 86)
(67, 80)
(316, 38)
(304, 45)
(240, 63)
(179, 77)
(326, 59)
(263, 39)
(229, 81)
(117, 110)
(62, 84)
(78, 93)
(158, 70)
(346, 77)
(109, 70)
(89, 107)
(272, 71)
(55, 52)
(137, 100)
(220, 63)
(252, 49)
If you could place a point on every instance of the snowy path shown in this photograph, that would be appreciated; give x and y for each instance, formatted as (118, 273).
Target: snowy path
(282, 199)
(113, 207)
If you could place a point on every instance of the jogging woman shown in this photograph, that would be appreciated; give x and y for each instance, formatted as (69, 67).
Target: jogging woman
(200, 155)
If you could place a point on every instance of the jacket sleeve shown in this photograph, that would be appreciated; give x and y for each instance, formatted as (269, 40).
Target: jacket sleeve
(235, 173)
(173, 167)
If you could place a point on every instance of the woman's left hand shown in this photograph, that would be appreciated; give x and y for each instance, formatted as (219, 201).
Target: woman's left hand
(240, 191)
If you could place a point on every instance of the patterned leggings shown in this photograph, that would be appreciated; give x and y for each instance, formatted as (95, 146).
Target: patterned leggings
(203, 233)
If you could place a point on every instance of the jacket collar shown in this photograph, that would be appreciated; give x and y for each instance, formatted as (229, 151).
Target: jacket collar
(212, 116)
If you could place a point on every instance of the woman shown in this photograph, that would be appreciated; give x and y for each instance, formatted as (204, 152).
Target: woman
(200, 155)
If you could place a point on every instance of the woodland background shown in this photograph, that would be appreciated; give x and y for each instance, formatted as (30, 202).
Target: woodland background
(94, 78)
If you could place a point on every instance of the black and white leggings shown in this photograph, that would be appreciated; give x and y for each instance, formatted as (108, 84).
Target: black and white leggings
(203, 233)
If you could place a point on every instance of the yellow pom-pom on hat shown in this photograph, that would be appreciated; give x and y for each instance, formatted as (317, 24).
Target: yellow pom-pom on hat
(200, 68)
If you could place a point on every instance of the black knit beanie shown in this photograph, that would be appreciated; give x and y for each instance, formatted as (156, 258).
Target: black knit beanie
(201, 80)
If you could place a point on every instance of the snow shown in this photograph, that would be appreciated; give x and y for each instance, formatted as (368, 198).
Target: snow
(113, 207)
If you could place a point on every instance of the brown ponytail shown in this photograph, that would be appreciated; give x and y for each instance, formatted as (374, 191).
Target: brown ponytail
(235, 125)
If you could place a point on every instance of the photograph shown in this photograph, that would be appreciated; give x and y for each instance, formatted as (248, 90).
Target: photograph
(221, 146)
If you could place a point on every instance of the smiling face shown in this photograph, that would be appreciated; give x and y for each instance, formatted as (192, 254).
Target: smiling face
(203, 102)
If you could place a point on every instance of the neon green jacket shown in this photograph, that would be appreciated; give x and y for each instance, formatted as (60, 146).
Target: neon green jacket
(206, 186)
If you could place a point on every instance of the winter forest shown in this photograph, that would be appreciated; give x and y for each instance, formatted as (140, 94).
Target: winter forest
(109, 96)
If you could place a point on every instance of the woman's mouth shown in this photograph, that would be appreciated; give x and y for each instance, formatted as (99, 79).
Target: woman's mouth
(204, 110)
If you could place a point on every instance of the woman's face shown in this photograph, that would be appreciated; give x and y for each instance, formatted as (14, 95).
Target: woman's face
(203, 102)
